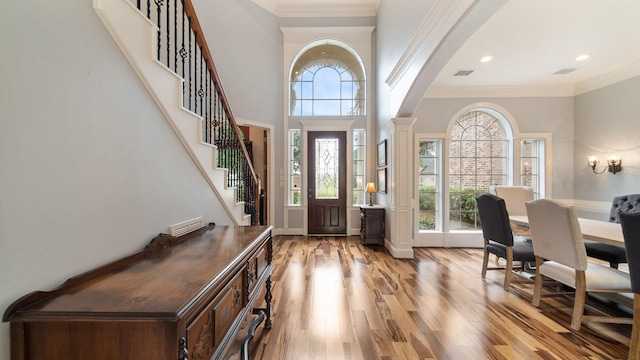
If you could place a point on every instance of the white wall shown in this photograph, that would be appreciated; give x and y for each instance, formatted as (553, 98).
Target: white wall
(607, 122)
(90, 171)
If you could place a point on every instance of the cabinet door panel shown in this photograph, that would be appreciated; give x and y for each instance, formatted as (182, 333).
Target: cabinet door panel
(210, 326)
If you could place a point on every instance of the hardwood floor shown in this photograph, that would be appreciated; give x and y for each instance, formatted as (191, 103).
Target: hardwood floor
(334, 298)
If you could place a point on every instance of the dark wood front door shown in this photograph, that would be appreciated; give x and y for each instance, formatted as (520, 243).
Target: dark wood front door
(327, 188)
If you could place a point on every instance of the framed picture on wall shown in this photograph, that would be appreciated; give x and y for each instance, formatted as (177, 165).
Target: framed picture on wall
(382, 153)
(382, 180)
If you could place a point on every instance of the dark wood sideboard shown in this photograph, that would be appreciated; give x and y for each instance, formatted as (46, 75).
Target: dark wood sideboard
(190, 297)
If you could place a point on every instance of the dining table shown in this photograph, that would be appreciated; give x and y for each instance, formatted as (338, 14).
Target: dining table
(601, 231)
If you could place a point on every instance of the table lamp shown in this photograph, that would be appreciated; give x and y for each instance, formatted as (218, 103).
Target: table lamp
(371, 188)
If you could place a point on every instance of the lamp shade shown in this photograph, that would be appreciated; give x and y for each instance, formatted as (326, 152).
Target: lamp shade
(371, 187)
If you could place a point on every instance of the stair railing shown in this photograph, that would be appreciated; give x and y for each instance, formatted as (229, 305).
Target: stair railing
(181, 47)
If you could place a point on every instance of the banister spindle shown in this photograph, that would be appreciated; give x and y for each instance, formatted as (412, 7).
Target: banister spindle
(175, 34)
(195, 73)
(189, 59)
(168, 34)
(159, 14)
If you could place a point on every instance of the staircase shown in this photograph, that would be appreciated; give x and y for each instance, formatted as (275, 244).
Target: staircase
(163, 42)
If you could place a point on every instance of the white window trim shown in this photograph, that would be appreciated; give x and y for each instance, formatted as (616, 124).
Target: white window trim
(472, 238)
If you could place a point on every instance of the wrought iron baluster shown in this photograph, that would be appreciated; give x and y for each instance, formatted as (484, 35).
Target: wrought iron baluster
(195, 73)
(159, 14)
(200, 90)
(183, 55)
(208, 107)
(189, 107)
(168, 34)
(175, 34)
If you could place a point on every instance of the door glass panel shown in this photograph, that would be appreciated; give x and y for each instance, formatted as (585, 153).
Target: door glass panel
(327, 170)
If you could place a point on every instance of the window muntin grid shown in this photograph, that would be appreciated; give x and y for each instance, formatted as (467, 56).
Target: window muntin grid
(359, 166)
(478, 158)
(429, 156)
(327, 80)
(532, 164)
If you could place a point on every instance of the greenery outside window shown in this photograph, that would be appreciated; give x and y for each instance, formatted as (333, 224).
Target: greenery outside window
(295, 167)
(429, 176)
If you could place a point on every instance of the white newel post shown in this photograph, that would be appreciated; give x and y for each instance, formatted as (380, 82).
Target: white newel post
(400, 242)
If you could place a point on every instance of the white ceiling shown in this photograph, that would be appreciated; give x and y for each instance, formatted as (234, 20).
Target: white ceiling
(529, 41)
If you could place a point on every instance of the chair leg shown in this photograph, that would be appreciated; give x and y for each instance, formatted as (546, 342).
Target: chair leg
(580, 298)
(485, 260)
(537, 288)
(508, 272)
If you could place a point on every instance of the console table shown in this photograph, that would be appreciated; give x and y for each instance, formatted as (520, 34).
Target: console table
(372, 224)
(191, 297)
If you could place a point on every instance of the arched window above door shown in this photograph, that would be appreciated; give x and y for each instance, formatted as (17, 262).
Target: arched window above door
(327, 79)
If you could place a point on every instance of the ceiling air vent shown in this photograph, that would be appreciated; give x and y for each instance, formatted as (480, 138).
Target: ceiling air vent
(564, 71)
(463, 73)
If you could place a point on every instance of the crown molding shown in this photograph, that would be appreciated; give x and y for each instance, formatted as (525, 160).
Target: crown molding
(624, 73)
(438, 92)
(334, 10)
(289, 30)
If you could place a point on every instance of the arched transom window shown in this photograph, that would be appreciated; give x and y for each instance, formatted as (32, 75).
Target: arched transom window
(327, 80)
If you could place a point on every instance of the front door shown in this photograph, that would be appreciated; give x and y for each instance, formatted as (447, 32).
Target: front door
(327, 185)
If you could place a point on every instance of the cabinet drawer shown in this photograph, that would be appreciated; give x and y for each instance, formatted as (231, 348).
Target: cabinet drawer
(210, 326)
(256, 267)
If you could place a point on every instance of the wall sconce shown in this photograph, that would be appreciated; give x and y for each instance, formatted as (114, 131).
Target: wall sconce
(371, 188)
(614, 164)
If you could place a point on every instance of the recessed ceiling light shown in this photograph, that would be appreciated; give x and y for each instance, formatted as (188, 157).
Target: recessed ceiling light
(582, 57)
(486, 59)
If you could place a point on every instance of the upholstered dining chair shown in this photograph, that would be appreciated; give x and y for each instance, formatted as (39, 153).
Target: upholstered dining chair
(498, 237)
(561, 256)
(514, 197)
(630, 223)
(612, 254)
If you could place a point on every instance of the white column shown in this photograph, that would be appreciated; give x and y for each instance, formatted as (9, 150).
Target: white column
(400, 241)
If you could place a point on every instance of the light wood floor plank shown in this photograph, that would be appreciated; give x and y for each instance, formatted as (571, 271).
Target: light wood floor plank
(334, 298)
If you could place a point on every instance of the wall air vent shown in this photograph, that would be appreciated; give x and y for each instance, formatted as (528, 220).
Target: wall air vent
(564, 71)
(185, 227)
(463, 73)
